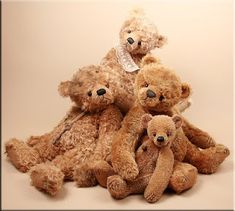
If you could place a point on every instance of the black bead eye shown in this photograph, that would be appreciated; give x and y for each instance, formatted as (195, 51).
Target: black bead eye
(146, 84)
(89, 93)
(129, 31)
(139, 43)
(168, 133)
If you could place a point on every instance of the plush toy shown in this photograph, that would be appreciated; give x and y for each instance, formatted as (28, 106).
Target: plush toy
(155, 161)
(84, 134)
(158, 89)
(137, 37)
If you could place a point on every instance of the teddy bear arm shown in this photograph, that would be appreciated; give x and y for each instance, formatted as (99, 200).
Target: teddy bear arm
(109, 123)
(124, 144)
(161, 175)
(197, 136)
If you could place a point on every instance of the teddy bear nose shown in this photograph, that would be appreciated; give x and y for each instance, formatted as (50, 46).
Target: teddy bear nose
(160, 138)
(150, 93)
(101, 92)
(130, 40)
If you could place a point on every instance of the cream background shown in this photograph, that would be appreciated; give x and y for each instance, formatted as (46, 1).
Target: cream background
(44, 42)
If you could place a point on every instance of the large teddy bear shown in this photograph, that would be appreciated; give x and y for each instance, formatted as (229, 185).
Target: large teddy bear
(158, 90)
(85, 133)
(138, 36)
(155, 160)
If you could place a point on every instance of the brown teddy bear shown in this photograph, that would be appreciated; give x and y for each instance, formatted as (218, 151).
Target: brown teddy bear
(155, 161)
(158, 90)
(84, 134)
(137, 37)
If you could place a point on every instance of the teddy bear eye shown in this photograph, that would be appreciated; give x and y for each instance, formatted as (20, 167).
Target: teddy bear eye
(129, 31)
(89, 93)
(168, 133)
(146, 84)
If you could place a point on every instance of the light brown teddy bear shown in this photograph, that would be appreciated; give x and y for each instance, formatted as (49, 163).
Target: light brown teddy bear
(138, 36)
(158, 90)
(155, 161)
(84, 134)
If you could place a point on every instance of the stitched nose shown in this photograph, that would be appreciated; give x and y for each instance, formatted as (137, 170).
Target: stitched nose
(160, 138)
(130, 40)
(150, 93)
(101, 92)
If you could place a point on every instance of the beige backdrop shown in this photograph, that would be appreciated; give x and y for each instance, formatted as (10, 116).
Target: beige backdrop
(45, 42)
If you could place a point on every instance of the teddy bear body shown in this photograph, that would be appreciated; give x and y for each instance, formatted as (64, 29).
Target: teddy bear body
(158, 89)
(85, 133)
(155, 161)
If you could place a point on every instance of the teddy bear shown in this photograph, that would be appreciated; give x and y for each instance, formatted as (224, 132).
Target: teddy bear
(138, 37)
(156, 163)
(158, 90)
(85, 133)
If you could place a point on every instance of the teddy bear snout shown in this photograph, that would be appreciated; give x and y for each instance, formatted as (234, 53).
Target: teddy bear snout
(150, 93)
(101, 92)
(160, 139)
(130, 40)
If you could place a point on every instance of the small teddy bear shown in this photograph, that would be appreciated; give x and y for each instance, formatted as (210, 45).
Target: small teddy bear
(155, 161)
(138, 37)
(85, 133)
(158, 90)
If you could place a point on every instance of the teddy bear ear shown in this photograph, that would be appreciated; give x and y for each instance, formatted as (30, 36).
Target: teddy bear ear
(65, 88)
(161, 40)
(186, 90)
(145, 119)
(137, 12)
(177, 120)
(148, 59)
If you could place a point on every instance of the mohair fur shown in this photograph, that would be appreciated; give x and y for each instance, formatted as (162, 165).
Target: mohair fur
(146, 38)
(155, 161)
(168, 90)
(84, 134)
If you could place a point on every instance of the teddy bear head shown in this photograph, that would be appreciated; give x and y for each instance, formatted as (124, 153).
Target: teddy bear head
(161, 129)
(88, 89)
(138, 35)
(158, 88)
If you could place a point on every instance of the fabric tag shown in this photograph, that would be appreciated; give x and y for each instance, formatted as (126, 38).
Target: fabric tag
(125, 59)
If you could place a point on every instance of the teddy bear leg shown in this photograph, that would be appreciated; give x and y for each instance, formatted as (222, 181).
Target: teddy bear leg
(47, 177)
(208, 160)
(84, 175)
(197, 136)
(22, 156)
(119, 188)
(102, 171)
(184, 176)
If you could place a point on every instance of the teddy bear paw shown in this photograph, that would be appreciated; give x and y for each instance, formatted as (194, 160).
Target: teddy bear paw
(117, 187)
(216, 156)
(47, 178)
(150, 197)
(84, 176)
(22, 156)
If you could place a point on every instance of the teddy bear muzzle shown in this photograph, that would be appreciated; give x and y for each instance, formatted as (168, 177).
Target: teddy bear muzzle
(161, 141)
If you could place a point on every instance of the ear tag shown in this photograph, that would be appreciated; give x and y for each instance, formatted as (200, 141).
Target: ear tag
(125, 59)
